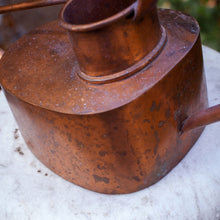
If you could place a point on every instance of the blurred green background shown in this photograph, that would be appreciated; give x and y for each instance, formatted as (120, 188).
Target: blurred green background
(206, 12)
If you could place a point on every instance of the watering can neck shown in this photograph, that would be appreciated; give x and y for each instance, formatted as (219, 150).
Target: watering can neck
(143, 7)
(110, 44)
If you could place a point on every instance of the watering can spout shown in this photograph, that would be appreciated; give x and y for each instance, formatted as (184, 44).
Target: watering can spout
(201, 118)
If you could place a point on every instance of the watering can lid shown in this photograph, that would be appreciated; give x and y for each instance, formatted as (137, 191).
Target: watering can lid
(40, 69)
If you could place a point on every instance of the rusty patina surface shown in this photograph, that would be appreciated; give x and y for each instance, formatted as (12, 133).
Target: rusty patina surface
(112, 137)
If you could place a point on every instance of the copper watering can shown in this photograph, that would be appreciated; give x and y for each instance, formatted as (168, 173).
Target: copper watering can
(116, 103)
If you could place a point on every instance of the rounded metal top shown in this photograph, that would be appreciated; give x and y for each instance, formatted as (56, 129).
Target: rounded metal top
(40, 69)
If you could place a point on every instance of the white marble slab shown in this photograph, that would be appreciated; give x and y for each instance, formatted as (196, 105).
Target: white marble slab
(28, 190)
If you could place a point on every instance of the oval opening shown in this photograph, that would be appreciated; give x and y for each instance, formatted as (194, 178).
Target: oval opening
(80, 12)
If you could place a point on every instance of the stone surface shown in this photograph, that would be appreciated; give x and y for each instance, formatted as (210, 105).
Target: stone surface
(28, 190)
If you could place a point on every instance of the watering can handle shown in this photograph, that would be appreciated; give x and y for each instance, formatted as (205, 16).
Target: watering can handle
(1, 53)
(29, 4)
(141, 7)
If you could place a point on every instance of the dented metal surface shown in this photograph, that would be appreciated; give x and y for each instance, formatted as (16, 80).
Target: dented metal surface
(114, 136)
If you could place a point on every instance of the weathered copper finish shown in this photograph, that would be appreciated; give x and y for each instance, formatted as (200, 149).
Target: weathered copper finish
(142, 8)
(127, 45)
(118, 134)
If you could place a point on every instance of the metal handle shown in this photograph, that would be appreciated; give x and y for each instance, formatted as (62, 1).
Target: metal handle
(1, 53)
(141, 7)
(201, 118)
(29, 5)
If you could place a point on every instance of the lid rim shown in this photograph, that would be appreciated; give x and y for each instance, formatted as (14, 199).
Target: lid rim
(93, 25)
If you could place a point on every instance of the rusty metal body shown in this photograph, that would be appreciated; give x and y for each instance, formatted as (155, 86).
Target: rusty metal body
(116, 132)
